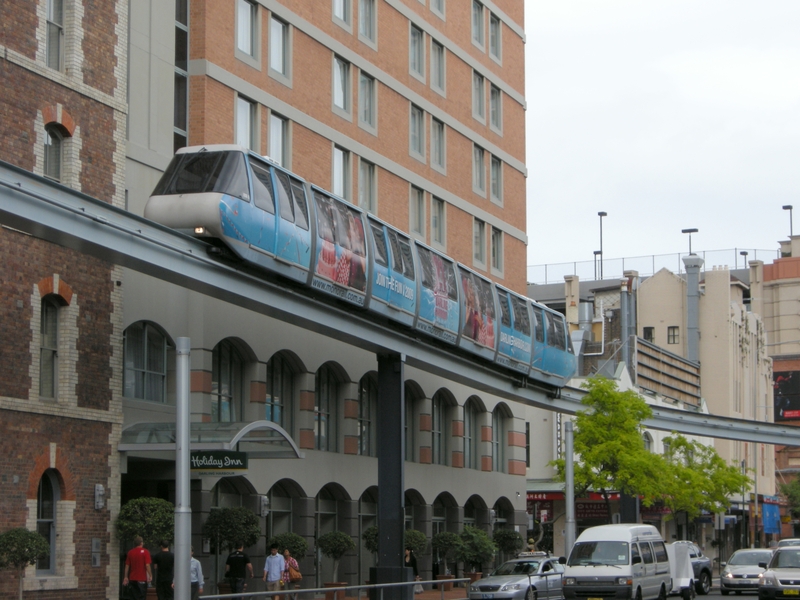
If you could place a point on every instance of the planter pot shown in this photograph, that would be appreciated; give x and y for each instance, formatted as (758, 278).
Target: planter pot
(151, 594)
(224, 587)
(446, 585)
(335, 595)
(473, 577)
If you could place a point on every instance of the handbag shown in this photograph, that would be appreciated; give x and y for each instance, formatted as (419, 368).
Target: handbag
(294, 574)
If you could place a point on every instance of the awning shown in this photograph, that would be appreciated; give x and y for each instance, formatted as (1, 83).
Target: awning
(260, 439)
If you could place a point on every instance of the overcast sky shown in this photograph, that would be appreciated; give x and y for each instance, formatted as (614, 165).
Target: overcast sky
(666, 114)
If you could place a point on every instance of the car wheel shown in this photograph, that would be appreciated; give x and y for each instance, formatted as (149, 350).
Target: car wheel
(662, 593)
(703, 585)
(639, 594)
(531, 595)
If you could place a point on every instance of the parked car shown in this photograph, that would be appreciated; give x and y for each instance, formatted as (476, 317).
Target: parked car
(701, 565)
(782, 575)
(535, 576)
(742, 571)
(789, 542)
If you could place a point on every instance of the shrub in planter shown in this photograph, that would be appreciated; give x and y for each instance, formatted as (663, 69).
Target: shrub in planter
(224, 527)
(445, 544)
(508, 541)
(335, 544)
(20, 548)
(416, 540)
(151, 518)
(370, 539)
(296, 544)
(476, 548)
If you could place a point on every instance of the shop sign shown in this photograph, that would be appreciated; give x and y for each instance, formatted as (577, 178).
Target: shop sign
(538, 496)
(591, 510)
(219, 463)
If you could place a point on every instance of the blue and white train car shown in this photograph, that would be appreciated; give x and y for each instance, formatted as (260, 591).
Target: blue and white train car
(515, 346)
(393, 285)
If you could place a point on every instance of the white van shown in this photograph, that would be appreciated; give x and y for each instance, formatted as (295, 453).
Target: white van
(618, 561)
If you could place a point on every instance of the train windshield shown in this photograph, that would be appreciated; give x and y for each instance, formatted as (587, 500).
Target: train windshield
(222, 172)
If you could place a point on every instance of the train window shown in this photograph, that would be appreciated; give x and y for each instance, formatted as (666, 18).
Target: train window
(561, 332)
(262, 188)
(301, 207)
(285, 196)
(397, 254)
(324, 217)
(222, 172)
(408, 259)
(437, 273)
(538, 324)
(551, 329)
(487, 298)
(521, 321)
(505, 312)
(381, 254)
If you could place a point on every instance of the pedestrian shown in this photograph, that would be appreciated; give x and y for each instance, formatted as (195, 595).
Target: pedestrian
(196, 576)
(289, 561)
(137, 570)
(410, 561)
(237, 567)
(164, 565)
(273, 570)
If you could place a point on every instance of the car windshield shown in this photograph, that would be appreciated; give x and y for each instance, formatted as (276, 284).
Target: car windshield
(749, 558)
(789, 542)
(599, 553)
(786, 559)
(517, 568)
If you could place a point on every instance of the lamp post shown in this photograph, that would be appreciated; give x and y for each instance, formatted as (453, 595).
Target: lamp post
(789, 208)
(596, 254)
(744, 253)
(601, 214)
(690, 232)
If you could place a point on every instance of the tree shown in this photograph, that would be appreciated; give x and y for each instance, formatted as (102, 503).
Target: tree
(508, 541)
(476, 548)
(151, 518)
(608, 439)
(20, 548)
(416, 540)
(370, 537)
(445, 544)
(225, 527)
(791, 491)
(296, 544)
(699, 479)
(335, 544)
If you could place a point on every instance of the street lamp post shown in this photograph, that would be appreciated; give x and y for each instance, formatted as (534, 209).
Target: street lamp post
(690, 232)
(596, 254)
(789, 208)
(744, 253)
(601, 214)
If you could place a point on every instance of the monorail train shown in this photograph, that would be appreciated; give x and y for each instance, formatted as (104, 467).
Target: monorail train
(272, 218)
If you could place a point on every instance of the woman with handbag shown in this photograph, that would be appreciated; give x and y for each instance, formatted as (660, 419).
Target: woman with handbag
(291, 572)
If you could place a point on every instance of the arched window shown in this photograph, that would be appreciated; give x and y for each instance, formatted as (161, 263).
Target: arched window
(280, 392)
(648, 441)
(412, 397)
(46, 499)
(498, 440)
(227, 376)
(326, 410)
(367, 407)
(472, 436)
(53, 152)
(439, 433)
(145, 358)
(48, 352)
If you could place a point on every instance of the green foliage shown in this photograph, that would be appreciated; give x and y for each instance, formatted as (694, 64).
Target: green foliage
(416, 540)
(476, 548)
(335, 544)
(508, 541)
(21, 547)
(791, 491)
(224, 527)
(296, 544)
(698, 478)
(151, 518)
(608, 439)
(446, 544)
(370, 537)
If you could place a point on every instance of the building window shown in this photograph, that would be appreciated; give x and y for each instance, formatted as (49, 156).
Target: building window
(478, 96)
(417, 132)
(497, 250)
(438, 147)
(437, 67)
(342, 13)
(280, 392)
(366, 186)
(417, 210)
(366, 101)
(180, 133)
(479, 241)
(673, 335)
(478, 171)
(367, 407)
(437, 6)
(279, 49)
(48, 352)
(437, 221)
(47, 498)
(416, 52)
(55, 34)
(341, 84)
(410, 424)
(496, 174)
(498, 441)
(472, 435)
(495, 39)
(650, 334)
(477, 23)
(366, 20)
(53, 152)
(326, 410)
(245, 123)
(341, 172)
(145, 358)
(279, 139)
(648, 441)
(438, 430)
(495, 108)
(227, 377)
(246, 27)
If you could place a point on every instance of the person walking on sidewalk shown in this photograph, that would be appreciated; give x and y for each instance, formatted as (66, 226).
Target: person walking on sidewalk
(164, 565)
(237, 567)
(273, 570)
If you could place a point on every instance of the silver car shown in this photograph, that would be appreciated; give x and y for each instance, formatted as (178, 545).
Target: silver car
(742, 571)
(535, 576)
(782, 577)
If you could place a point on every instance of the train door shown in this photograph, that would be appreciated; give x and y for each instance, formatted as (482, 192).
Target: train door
(293, 238)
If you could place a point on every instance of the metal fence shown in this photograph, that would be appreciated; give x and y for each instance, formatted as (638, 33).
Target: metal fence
(613, 268)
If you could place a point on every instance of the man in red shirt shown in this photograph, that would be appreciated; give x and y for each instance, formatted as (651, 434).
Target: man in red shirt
(137, 570)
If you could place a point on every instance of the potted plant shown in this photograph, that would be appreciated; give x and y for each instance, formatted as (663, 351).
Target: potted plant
(223, 528)
(335, 544)
(508, 541)
(445, 544)
(476, 548)
(20, 548)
